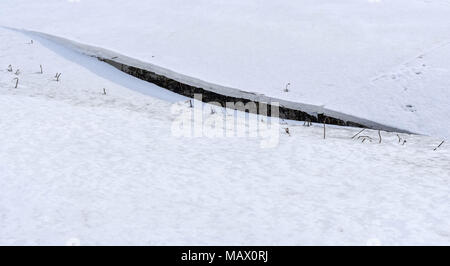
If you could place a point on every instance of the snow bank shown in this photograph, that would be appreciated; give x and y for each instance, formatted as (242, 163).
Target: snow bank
(331, 52)
(288, 110)
(78, 166)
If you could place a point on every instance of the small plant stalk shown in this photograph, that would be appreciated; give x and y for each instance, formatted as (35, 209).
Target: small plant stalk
(287, 131)
(358, 133)
(57, 76)
(439, 145)
(364, 138)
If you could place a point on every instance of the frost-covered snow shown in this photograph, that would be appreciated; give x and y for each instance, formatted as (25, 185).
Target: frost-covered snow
(77, 165)
(386, 61)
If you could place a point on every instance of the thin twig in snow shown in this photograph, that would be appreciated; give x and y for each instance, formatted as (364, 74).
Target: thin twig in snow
(364, 138)
(358, 133)
(57, 76)
(439, 145)
(286, 88)
(400, 140)
(287, 131)
(17, 82)
(190, 103)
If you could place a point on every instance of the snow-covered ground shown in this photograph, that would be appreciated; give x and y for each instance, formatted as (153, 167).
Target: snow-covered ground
(78, 166)
(386, 61)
